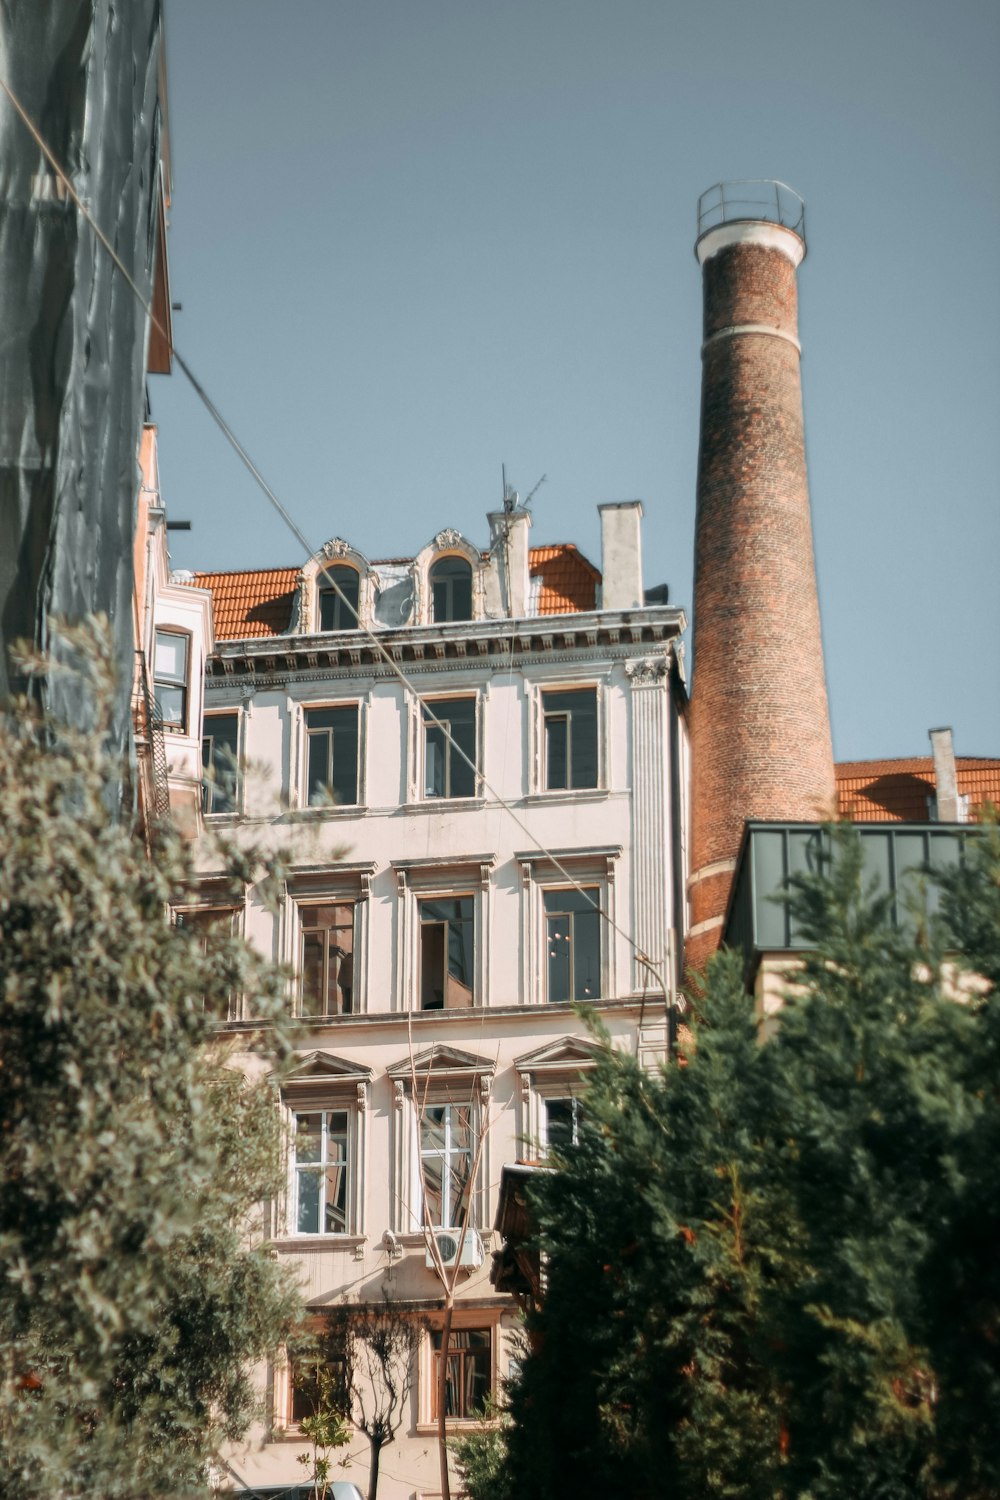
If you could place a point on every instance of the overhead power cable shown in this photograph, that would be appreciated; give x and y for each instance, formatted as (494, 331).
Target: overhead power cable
(310, 551)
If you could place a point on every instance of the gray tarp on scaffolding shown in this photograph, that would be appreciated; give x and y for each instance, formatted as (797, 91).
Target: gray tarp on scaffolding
(72, 336)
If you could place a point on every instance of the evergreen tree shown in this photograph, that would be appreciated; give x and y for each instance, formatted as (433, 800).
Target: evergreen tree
(134, 1291)
(771, 1268)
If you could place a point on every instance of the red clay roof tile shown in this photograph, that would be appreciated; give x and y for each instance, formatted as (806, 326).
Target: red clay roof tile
(252, 603)
(567, 581)
(901, 791)
(259, 602)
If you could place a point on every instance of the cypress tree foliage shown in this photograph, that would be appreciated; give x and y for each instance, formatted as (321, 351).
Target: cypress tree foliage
(134, 1287)
(960, 1279)
(772, 1269)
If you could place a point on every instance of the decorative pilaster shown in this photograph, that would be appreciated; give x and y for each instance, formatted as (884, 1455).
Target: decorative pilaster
(651, 842)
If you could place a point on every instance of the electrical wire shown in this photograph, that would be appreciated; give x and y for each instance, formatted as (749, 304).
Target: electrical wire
(310, 551)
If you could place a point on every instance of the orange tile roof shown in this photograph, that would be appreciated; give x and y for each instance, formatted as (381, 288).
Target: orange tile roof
(568, 582)
(897, 791)
(252, 603)
(259, 602)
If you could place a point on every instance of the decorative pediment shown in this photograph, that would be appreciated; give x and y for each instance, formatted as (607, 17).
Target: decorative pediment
(566, 1054)
(321, 1076)
(441, 1061)
(324, 1067)
(336, 547)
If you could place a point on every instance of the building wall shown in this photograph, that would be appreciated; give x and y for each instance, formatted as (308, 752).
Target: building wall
(502, 848)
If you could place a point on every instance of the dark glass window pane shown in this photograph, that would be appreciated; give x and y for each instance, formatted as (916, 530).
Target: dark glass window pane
(560, 1124)
(332, 755)
(327, 967)
(170, 668)
(451, 589)
(573, 945)
(570, 739)
(446, 772)
(447, 952)
(468, 1371)
(171, 705)
(334, 614)
(219, 762)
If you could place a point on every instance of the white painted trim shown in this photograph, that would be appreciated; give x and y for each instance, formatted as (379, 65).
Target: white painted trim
(751, 232)
(760, 328)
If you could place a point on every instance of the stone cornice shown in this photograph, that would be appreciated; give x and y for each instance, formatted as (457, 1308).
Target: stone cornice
(437, 648)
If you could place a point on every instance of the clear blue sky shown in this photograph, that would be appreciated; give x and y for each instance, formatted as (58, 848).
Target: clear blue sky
(416, 238)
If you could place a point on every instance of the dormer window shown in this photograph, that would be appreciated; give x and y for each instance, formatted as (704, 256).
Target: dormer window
(336, 612)
(451, 590)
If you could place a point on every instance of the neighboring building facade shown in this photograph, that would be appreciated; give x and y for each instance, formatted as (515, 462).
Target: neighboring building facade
(444, 917)
(78, 345)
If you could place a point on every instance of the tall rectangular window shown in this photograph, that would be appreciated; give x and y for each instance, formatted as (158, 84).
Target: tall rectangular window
(327, 959)
(332, 755)
(449, 730)
(562, 1122)
(447, 952)
(338, 606)
(219, 760)
(446, 1149)
(469, 1373)
(170, 679)
(322, 1147)
(570, 731)
(573, 945)
(211, 927)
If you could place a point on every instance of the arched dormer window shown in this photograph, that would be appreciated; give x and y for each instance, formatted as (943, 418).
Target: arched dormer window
(451, 590)
(336, 613)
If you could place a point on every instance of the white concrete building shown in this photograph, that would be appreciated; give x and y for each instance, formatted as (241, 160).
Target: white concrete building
(483, 777)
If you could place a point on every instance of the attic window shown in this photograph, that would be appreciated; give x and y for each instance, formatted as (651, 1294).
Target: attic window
(336, 612)
(451, 589)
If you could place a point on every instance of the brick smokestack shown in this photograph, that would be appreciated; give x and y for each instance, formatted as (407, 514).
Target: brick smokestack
(760, 724)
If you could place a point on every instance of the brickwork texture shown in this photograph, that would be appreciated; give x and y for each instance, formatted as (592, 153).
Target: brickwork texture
(760, 727)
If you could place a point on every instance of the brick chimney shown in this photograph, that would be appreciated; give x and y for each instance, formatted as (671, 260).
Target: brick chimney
(760, 726)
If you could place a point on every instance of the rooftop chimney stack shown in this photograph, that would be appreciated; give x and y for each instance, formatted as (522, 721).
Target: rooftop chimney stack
(948, 808)
(760, 726)
(621, 555)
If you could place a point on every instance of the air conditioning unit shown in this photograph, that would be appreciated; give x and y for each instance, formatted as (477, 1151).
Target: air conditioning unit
(449, 1241)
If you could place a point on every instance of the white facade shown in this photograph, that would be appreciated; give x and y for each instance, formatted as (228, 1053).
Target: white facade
(433, 920)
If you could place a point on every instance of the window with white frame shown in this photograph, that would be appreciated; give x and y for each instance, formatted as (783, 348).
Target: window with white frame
(339, 594)
(443, 931)
(449, 747)
(441, 1105)
(332, 755)
(573, 969)
(567, 951)
(220, 785)
(570, 758)
(447, 1134)
(324, 937)
(553, 1087)
(326, 958)
(171, 654)
(326, 1099)
(447, 952)
(322, 1148)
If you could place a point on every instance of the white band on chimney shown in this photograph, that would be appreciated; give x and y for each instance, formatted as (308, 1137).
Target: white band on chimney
(751, 232)
(735, 328)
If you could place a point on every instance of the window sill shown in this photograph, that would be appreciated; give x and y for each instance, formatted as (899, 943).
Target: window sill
(456, 1425)
(333, 810)
(443, 804)
(570, 794)
(302, 1242)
